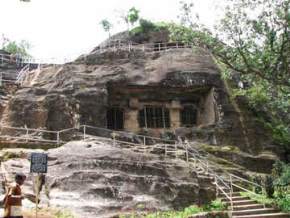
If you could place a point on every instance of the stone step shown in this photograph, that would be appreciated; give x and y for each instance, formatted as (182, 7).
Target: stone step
(248, 207)
(254, 211)
(234, 194)
(268, 215)
(244, 202)
(236, 198)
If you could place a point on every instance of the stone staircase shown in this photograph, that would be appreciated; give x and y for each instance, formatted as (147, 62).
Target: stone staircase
(244, 207)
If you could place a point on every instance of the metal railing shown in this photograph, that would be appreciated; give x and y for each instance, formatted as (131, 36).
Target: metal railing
(14, 78)
(147, 47)
(232, 181)
(145, 143)
(12, 59)
(237, 182)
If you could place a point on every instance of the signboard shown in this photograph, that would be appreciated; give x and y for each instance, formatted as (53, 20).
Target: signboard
(38, 163)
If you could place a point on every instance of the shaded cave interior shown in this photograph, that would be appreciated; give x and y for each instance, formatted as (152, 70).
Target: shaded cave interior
(160, 108)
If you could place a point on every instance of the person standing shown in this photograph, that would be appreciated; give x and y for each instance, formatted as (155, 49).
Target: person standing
(13, 198)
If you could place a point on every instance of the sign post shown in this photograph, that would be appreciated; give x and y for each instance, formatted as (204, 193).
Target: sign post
(38, 165)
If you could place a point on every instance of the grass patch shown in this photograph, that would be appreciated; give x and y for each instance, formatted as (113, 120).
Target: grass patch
(280, 203)
(48, 213)
(262, 199)
(216, 205)
(63, 214)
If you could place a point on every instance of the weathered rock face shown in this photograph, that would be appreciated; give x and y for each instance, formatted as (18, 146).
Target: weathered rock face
(95, 179)
(59, 97)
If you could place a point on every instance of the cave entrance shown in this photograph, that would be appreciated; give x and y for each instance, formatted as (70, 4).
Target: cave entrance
(188, 115)
(115, 118)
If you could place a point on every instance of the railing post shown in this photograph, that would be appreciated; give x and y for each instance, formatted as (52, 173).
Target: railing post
(114, 138)
(194, 161)
(57, 138)
(231, 191)
(26, 134)
(207, 167)
(159, 47)
(186, 152)
(165, 149)
(175, 150)
(144, 144)
(0, 78)
(85, 130)
(216, 186)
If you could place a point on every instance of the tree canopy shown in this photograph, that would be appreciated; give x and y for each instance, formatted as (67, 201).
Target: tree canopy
(14, 47)
(253, 40)
(107, 25)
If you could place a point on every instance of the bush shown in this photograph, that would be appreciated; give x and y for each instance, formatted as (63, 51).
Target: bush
(258, 180)
(284, 203)
(269, 187)
(277, 188)
(277, 169)
(216, 205)
(146, 25)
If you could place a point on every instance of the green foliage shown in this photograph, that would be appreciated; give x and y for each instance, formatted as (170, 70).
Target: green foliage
(280, 133)
(284, 203)
(262, 199)
(252, 39)
(258, 180)
(278, 168)
(271, 105)
(269, 186)
(133, 15)
(20, 48)
(281, 174)
(106, 25)
(169, 214)
(146, 26)
(277, 187)
(63, 214)
(216, 205)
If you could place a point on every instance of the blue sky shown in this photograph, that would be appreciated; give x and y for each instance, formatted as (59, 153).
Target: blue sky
(68, 28)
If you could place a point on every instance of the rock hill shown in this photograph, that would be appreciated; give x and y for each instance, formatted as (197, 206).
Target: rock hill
(96, 179)
(158, 88)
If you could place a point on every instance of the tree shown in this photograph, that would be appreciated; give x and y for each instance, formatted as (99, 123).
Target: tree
(133, 16)
(253, 40)
(107, 26)
(252, 44)
(14, 47)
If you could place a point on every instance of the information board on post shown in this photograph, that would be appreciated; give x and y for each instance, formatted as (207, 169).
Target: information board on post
(38, 163)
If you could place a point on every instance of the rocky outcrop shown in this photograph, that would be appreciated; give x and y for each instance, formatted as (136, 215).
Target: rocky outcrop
(95, 179)
(80, 92)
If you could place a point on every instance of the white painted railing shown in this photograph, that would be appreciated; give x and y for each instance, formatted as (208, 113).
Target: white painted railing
(147, 47)
(84, 132)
